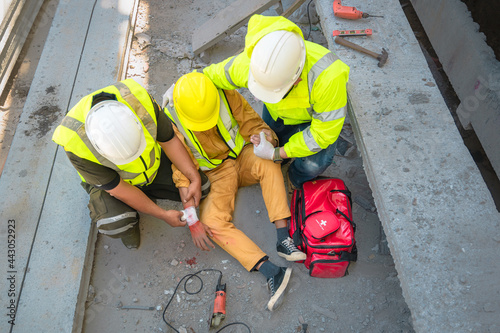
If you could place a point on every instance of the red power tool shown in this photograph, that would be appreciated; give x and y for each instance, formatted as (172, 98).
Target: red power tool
(219, 312)
(350, 13)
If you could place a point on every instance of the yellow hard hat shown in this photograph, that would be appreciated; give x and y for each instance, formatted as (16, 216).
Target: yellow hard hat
(197, 101)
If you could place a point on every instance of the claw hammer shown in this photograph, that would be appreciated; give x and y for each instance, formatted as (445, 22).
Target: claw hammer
(382, 58)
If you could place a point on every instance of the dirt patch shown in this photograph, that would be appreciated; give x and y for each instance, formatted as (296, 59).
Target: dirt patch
(44, 118)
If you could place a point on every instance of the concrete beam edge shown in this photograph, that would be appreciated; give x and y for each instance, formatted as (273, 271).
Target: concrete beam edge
(430, 316)
(471, 66)
(14, 32)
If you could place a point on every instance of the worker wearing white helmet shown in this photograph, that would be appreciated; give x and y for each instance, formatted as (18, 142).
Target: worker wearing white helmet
(302, 85)
(219, 127)
(123, 145)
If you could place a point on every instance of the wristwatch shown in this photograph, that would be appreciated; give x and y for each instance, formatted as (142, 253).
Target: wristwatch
(277, 158)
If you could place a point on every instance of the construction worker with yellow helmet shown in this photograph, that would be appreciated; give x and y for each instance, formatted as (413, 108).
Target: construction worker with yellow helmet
(302, 86)
(222, 131)
(123, 146)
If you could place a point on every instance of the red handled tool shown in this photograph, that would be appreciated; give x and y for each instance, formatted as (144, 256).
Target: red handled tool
(347, 33)
(350, 13)
(219, 312)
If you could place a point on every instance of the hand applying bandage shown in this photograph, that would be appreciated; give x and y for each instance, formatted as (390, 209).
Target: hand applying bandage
(198, 230)
(264, 149)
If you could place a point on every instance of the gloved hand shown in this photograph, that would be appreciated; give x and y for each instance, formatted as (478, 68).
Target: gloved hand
(168, 97)
(264, 149)
(198, 230)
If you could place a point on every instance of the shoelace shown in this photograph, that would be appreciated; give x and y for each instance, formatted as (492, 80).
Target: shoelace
(271, 285)
(288, 243)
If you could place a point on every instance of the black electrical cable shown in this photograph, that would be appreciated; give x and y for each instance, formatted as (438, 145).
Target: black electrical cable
(309, 19)
(189, 276)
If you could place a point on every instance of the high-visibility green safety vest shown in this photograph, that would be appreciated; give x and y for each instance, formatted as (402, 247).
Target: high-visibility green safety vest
(320, 98)
(227, 127)
(72, 136)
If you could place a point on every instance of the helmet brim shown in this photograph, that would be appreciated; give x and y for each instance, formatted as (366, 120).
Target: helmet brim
(263, 93)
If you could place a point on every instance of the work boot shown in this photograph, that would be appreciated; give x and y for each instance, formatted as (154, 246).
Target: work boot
(287, 249)
(132, 237)
(277, 285)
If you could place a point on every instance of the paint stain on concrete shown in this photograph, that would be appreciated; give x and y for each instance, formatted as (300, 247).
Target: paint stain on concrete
(418, 98)
(23, 173)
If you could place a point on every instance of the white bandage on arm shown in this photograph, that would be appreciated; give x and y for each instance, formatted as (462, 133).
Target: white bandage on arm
(189, 215)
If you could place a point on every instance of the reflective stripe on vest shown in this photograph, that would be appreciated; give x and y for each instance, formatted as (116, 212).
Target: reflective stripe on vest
(226, 71)
(315, 71)
(228, 128)
(148, 172)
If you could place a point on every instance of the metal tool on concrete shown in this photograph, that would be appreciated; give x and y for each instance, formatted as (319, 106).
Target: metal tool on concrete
(304, 324)
(137, 307)
(348, 33)
(350, 13)
(382, 58)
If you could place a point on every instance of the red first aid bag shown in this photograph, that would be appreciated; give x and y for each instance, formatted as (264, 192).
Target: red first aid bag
(322, 227)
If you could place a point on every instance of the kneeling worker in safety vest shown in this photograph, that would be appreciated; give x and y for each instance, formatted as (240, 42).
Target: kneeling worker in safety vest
(114, 138)
(302, 85)
(218, 127)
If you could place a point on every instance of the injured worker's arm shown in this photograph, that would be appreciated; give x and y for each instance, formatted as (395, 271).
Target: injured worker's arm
(199, 231)
(139, 201)
(177, 153)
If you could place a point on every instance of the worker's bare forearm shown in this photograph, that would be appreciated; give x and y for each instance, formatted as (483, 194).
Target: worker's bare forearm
(283, 153)
(183, 191)
(178, 155)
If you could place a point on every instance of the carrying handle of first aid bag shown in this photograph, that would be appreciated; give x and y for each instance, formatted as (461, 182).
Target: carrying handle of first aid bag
(347, 193)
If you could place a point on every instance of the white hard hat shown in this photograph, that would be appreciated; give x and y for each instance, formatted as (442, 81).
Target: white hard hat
(115, 132)
(275, 65)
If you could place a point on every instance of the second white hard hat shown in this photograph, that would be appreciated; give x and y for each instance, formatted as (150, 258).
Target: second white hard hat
(275, 65)
(115, 132)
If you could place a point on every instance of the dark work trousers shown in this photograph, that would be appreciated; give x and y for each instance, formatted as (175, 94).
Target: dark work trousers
(114, 218)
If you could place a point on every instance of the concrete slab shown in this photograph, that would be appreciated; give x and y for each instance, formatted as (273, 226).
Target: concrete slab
(51, 238)
(226, 22)
(471, 67)
(440, 220)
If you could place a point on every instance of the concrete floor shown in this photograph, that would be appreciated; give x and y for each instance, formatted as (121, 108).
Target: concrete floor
(369, 299)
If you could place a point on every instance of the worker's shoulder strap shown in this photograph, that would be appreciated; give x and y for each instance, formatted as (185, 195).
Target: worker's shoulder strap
(136, 96)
